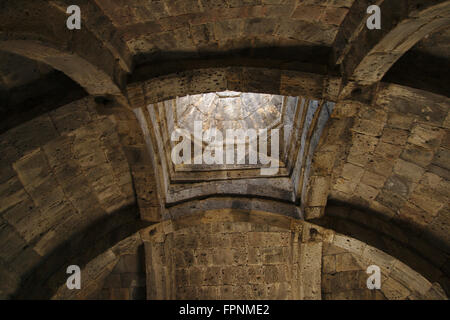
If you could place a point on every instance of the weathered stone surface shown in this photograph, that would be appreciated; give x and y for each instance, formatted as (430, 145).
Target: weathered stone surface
(67, 172)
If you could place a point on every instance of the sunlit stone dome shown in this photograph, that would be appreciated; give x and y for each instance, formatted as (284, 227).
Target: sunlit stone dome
(229, 110)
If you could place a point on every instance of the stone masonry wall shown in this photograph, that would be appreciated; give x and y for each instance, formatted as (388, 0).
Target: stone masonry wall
(127, 279)
(224, 261)
(396, 161)
(59, 173)
(343, 278)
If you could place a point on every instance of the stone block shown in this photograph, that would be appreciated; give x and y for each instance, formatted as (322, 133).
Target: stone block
(373, 179)
(394, 136)
(254, 255)
(362, 148)
(223, 257)
(308, 13)
(426, 136)
(390, 200)
(366, 192)
(346, 262)
(368, 127)
(274, 255)
(380, 165)
(352, 245)
(212, 276)
(410, 278)
(203, 257)
(12, 193)
(329, 264)
(388, 150)
(352, 172)
(319, 189)
(345, 186)
(418, 155)
(408, 170)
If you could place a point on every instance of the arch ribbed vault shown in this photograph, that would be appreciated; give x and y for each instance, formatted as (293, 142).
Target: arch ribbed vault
(86, 175)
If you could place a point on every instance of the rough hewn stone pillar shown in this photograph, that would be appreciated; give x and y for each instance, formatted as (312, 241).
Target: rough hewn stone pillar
(310, 265)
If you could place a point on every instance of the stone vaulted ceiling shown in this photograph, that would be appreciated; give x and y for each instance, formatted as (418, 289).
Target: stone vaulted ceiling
(85, 170)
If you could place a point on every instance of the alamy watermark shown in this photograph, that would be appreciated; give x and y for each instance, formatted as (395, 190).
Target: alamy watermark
(374, 280)
(74, 280)
(74, 20)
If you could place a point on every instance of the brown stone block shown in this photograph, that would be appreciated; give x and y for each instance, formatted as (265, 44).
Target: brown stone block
(388, 151)
(352, 172)
(327, 282)
(427, 199)
(120, 294)
(417, 155)
(207, 293)
(255, 274)
(390, 200)
(308, 13)
(398, 185)
(226, 293)
(203, 257)
(188, 241)
(113, 281)
(271, 273)
(368, 127)
(11, 244)
(394, 136)
(203, 34)
(346, 262)
(228, 29)
(196, 276)
(261, 80)
(319, 191)
(259, 26)
(345, 109)
(274, 255)
(222, 257)
(373, 179)
(380, 165)
(297, 83)
(442, 158)
(240, 256)
(362, 148)
(254, 255)
(427, 137)
(12, 193)
(257, 291)
(400, 121)
(329, 249)
(212, 276)
(329, 264)
(132, 263)
(228, 275)
(25, 139)
(150, 214)
(238, 240)
(345, 186)
(186, 293)
(408, 170)
(70, 117)
(366, 192)
(279, 291)
(334, 16)
(241, 292)
(179, 7)
(33, 169)
(181, 278)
